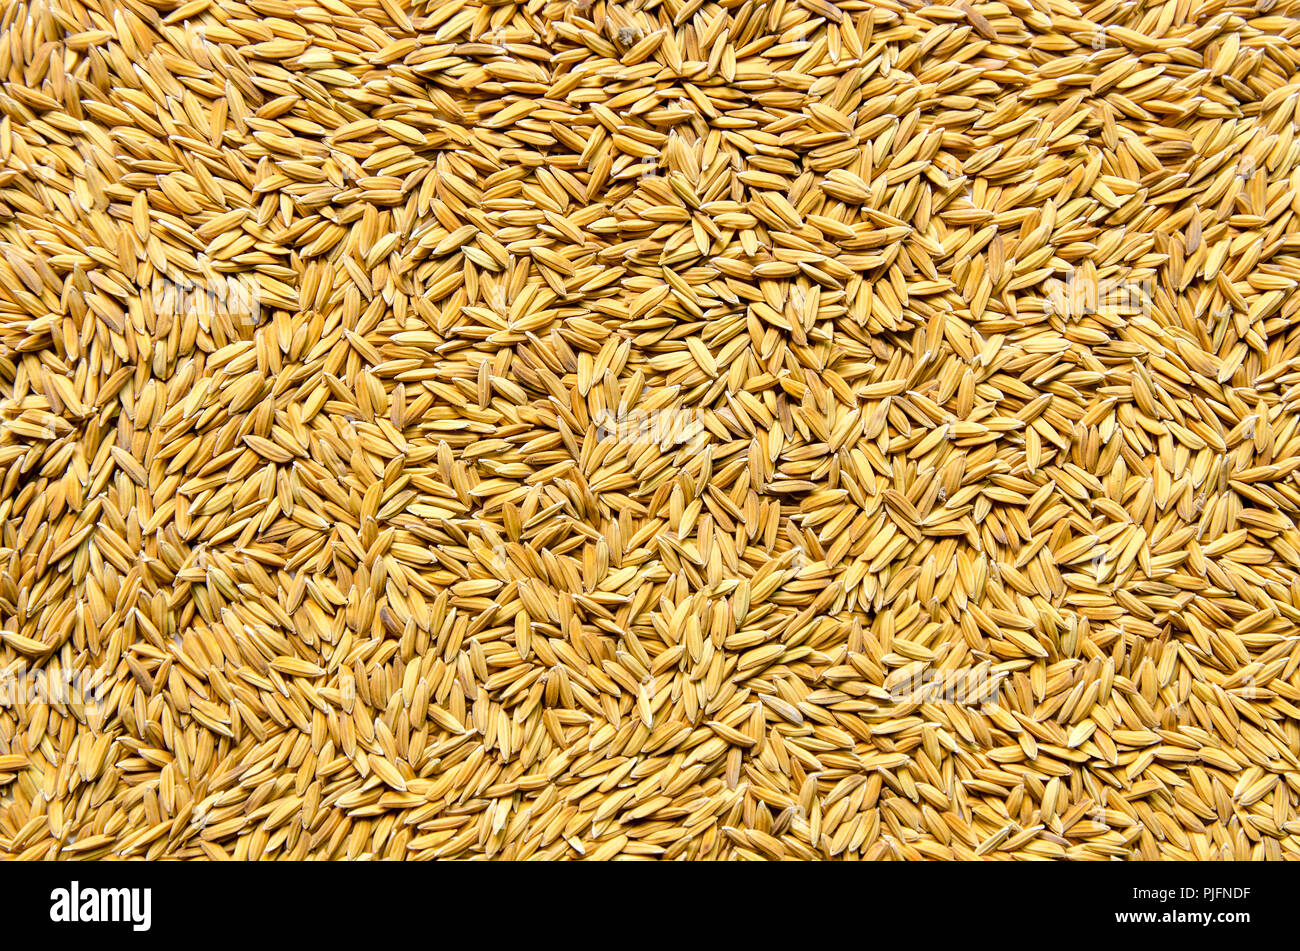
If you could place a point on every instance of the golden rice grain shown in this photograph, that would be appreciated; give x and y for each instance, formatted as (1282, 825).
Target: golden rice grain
(590, 429)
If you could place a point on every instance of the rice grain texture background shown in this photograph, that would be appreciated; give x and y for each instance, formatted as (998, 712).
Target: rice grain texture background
(655, 429)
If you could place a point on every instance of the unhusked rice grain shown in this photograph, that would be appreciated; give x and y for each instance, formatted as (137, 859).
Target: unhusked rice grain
(677, 429)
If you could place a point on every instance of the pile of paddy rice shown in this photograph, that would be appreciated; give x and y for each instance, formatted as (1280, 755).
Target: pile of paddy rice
(658, 429)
